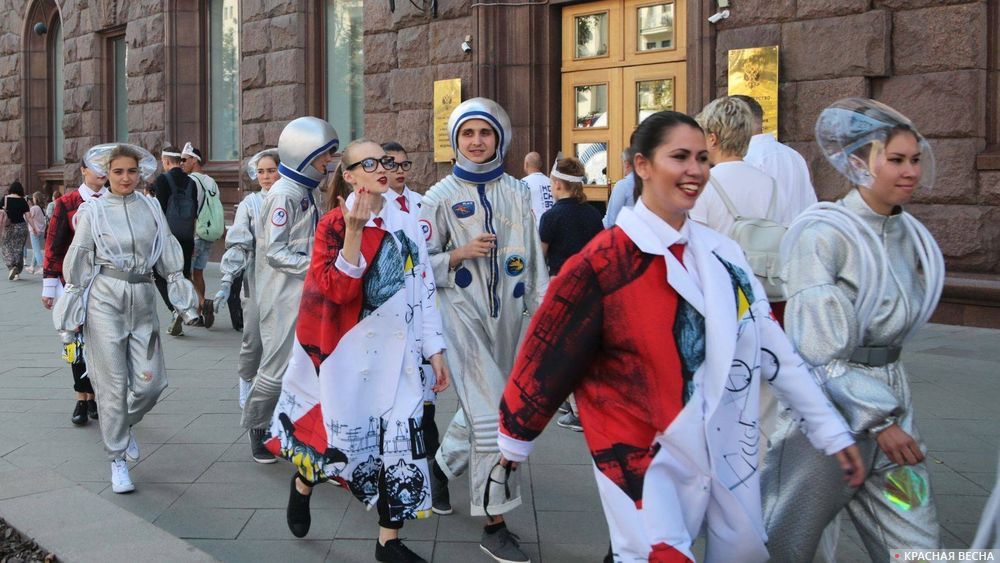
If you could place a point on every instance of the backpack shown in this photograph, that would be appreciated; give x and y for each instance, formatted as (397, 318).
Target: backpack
(180, 211)
(760, 239)
(211, 216)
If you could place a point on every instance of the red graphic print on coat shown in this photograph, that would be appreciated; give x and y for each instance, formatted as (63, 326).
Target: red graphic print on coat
(328, 309)
(604, 333)
(60, 233)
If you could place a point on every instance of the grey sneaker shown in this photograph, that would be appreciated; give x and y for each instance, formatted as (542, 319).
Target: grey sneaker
(440, 499)
(565, 407)
(257, 450)
(503, 546)
(176, 327)
(571, 421)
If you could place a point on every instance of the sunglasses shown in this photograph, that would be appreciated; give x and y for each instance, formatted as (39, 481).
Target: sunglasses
(370, 164)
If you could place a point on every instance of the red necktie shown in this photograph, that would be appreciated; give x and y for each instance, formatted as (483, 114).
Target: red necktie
(378, 222)
(401, 200)
(677, 249)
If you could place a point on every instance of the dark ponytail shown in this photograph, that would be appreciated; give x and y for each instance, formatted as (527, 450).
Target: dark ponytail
(337, 187)
(652, 132)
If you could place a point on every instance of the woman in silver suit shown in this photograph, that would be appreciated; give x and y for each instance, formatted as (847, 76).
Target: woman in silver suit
(862, 277)
(240, 258)
(120, 240)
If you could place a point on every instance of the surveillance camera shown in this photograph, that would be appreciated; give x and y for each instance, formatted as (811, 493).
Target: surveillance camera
(466, 48)
(718, 16)
(41, 29)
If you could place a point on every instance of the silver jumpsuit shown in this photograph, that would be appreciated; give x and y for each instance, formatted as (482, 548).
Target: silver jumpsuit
(119, 241)
(804, 490)
(241, 243)
(288, 226)
(485, 304)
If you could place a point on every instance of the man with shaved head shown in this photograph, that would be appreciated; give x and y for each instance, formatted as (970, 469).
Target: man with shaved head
(539, 185)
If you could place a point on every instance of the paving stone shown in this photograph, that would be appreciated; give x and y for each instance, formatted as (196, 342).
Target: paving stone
(298, 550)
(271, 524)
(204, 523)
(447, 552)
(149, 500)
(176, 463)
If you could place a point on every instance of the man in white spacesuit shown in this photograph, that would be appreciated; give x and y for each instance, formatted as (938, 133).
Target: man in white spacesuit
(289, 216)
(490, 272)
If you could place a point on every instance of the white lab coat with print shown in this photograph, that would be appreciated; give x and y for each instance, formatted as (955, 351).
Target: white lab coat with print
(706, 469)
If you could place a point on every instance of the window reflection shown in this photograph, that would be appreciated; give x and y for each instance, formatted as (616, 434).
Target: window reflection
(594, 157)
(652, 96)
(591, 35)
(345, 68)
(224, 80)
(119, 51)
(656, 27)
(592, 106)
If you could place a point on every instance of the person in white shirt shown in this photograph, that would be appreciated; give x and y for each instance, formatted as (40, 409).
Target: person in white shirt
(623, 193)
(539, 185)
(728, 124)
(779, 161)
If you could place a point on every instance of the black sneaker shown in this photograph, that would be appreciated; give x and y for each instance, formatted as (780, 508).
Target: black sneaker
(260, 453)
(504, 546)
(297, 515)
(208, 313)
(395, 552)
(440, 499)
(92, 409)
(79, 417)
(565, 407)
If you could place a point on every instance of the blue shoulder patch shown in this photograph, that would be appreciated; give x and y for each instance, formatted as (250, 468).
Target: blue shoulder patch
(464, 209)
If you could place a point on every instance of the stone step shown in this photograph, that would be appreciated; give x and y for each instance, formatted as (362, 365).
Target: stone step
(79, 526)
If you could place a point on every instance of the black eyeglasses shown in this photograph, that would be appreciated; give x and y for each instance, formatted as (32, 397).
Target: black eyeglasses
(405, 165)
(370, 164)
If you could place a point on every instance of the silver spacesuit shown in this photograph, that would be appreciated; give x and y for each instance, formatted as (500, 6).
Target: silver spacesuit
(289, 216)
(484, 302)
(109, 291)
(241, 251)
(859, 284)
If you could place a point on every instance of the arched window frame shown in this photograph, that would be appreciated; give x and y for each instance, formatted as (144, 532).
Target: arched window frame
(41, 171)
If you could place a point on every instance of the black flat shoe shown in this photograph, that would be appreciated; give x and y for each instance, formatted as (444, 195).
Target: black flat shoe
(79, 417)
(395, 552)
(297, 515)
(92, 409)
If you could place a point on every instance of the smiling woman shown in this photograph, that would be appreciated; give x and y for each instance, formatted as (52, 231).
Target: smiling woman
(668, 419)
(121, 238)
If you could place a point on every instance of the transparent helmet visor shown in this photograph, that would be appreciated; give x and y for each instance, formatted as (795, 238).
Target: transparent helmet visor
(255, 159)
(96, 159)
(855, 133)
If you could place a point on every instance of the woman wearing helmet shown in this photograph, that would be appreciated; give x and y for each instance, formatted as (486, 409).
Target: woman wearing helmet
(289, 216)
(862, 277)
(120, 240)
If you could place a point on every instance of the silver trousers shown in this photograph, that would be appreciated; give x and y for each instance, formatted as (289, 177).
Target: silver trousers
(251, 347)
(278, 315)
(804, 491)
(124, 356)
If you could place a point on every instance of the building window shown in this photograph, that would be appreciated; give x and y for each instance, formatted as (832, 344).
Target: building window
(345, 68)
(119, 88)
(57, 86)
(224, 80)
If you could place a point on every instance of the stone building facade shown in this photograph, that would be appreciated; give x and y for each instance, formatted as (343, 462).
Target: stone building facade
(934, 60)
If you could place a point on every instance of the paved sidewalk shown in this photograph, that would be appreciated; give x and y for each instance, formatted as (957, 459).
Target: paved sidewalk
(195, 479)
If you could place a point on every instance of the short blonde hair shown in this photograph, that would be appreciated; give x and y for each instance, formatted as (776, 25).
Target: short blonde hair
(731, 121)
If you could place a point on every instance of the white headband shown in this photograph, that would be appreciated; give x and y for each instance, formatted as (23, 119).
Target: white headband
(171, 154)
(565, 177)
(188, 150)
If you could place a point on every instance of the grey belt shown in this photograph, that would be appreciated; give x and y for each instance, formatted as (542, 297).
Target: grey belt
(130, 277)
(875, 356)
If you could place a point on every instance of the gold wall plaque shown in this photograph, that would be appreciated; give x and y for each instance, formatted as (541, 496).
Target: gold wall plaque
(447, 96)
(754, 72)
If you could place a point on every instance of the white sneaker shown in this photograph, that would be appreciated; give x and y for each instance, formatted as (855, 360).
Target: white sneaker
(132, 450)
(120, 481)
(245, 387)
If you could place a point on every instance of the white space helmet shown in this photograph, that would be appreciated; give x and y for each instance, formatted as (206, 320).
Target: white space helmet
(96, 159)
(300, 142)
(252, 163)
(490, 112)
